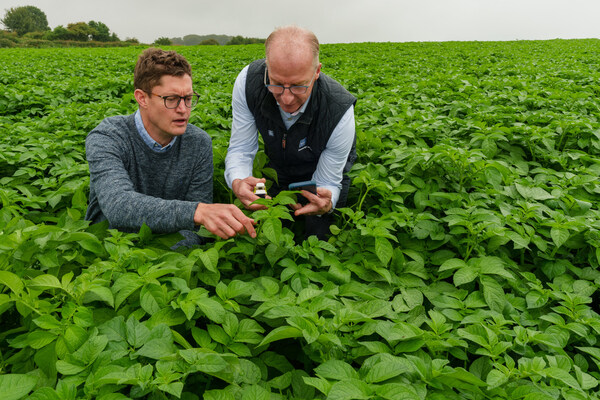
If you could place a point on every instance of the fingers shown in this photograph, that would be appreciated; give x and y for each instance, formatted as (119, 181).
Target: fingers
(252, 181)
(244, 191)
(318, 204)
(243, 223)
(224, 220)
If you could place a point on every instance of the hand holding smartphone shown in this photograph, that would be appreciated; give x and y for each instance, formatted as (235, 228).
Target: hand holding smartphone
(310, 186)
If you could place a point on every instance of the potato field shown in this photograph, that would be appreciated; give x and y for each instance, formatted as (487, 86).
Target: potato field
(466, 265)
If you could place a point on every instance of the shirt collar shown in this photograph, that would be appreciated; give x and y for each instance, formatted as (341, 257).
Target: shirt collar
(296, 113)
(153, 144)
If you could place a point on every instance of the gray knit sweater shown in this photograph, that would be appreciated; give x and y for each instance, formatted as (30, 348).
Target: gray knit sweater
(130, 184)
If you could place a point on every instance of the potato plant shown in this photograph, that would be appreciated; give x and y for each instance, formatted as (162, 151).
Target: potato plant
(466, 265)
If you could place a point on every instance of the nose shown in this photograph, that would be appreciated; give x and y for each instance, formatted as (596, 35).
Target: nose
(181, 106)
(287, 97)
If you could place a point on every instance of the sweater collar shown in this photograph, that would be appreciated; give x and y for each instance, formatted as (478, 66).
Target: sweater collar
(151, 143)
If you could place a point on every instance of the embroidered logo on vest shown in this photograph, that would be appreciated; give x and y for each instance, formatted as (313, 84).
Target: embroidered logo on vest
(302, 145)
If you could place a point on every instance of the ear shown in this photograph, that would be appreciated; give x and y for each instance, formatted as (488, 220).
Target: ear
(141, 97)
(318, 71)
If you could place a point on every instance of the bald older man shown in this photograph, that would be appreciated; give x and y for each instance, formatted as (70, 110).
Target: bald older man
(306, 120)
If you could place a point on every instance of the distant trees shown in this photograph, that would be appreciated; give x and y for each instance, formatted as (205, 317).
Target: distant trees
(82, 32)
(209, 42)
(244, 40)
(194, 40)
(25, 19)
(101, 33)
(31, 23)
(163, 41)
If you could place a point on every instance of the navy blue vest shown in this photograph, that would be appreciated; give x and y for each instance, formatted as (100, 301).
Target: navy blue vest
(294, 153)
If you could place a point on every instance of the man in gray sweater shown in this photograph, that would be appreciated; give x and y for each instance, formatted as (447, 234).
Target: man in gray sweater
(153, 167)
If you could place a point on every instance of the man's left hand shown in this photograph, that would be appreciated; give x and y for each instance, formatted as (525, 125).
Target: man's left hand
(318, 204)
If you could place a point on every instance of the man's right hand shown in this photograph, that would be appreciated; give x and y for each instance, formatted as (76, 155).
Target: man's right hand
(224, 220)
(244, 191)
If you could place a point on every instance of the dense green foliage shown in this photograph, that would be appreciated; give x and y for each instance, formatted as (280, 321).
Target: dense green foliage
(244, 40)
(28, 27)
(465, 267)
(163, 41)
(25, 19)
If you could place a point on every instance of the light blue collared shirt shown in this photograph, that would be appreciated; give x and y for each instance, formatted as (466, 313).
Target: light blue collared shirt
(243, 144)
(153, 144)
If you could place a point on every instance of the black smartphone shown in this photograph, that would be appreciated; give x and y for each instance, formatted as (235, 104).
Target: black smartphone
(310, 186)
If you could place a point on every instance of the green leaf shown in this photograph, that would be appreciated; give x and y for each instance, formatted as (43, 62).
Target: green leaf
(308, 328)
(336, 369)
(465, 275)
(397, 391)
(210, 259)
(561, 375)
(124, 286)
(99, 293)
(47, 322)
(46, 393)
(399, 331)
(256, 392)
(137, 333)
(274, 252)
(16, 386)
(493, 293)
(152, 298)
(272, 229)
(533, 193)
(453, 263)
(205, 360)
(43, 282)
(12, 281)
(91, 349)
(412, 297)
(67, 368)
(93, 245)
(519, 241)
(250, 372)
(211, 308)
(167, 316)
(174, 388)
(349, 390)
(494, 266)
(38, 339)
(281, 382)
(559, 236)
(387, 368)
(218, 334)
(536, 299)
(157, 348)
(320, 384)
(383, 249)
(280, 333)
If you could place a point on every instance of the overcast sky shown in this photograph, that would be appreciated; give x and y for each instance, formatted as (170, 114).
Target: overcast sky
(333, 21)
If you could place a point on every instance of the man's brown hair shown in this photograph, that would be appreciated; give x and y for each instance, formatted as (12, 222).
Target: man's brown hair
(153, 63)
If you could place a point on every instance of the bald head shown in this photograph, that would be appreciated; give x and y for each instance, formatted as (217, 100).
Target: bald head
(295, 44)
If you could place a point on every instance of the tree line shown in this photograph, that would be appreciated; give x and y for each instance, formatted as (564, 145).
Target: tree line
(28, 26)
